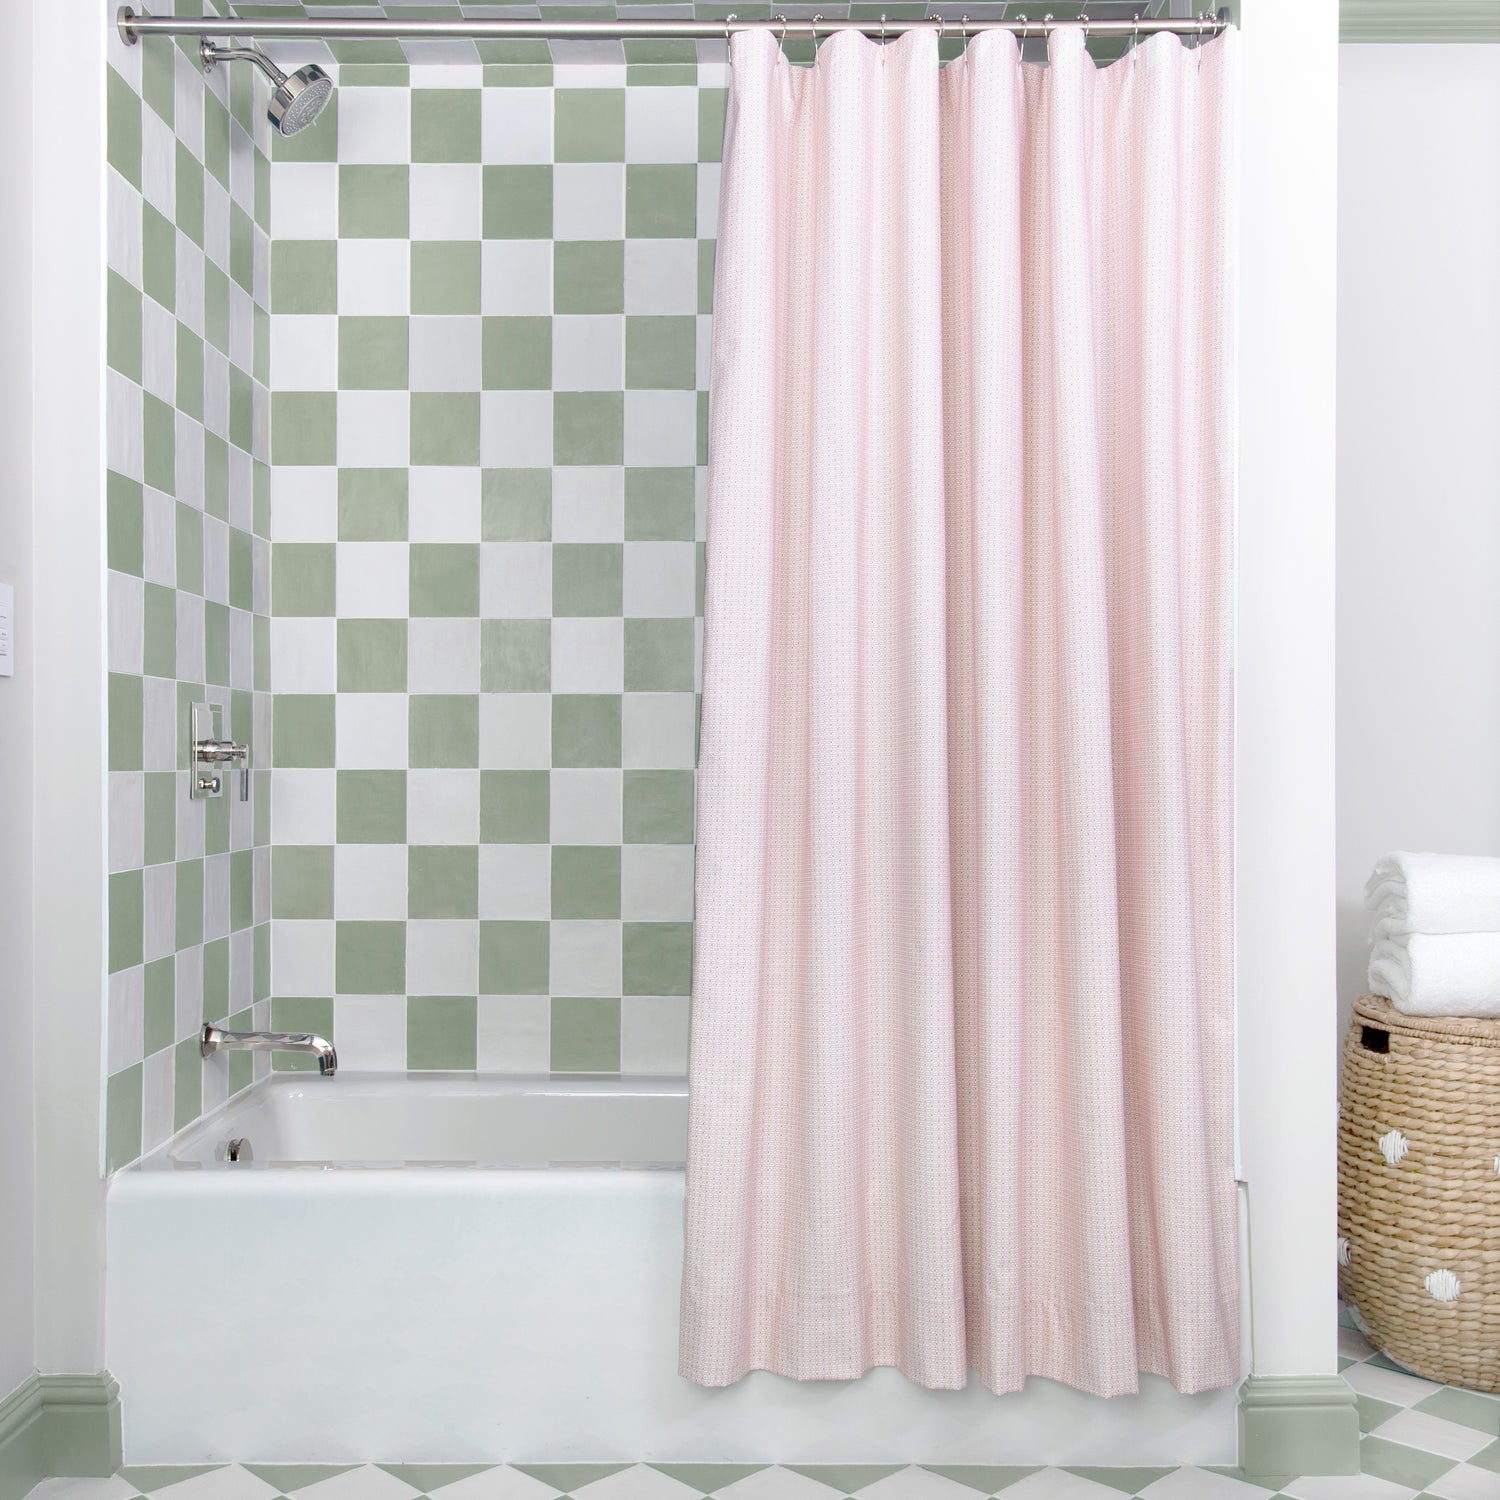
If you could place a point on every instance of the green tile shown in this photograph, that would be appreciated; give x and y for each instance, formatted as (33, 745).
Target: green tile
(158, 88)
(658, 656)
(442, 880)
(241, 889)
(515, 656)
(122, 1117)
(189, 549)
(444, 729)
(658, 807)
(189, 372)
(702, 454)
(302, 880)
(216, 307)
(302, 729)
(122, 119)
(241, 248)
(1127, 1481)
(1399, 1463)
(1467, 1408)
(159, 441)
(442, 1031)
(241, 569)
(659, 505)
(706, 250)
(523, 64)
(516, 505)
(445, 124)
(304, 427)
(124, 523)
(287, 1478)
(373, 354)
(241, 409)
(658, 958)
(444, 579)
(372, 505)
(301, 1013)
(514, 958)
(588, 578)
(126, 722)
(444, 276)
(585, 1034)
(845, 1478)
(304, 276)
(215, 979)
(160, 1005)
(712, 106)
(189, 195)
(707, 1479)
(1488, 1458)
(160, 646)
(302, 578)
(586, 881)
(122, 343)
(518, 203)
(588, 427)
(372, 656)
(568, 1476)
(661, 353)
(588, 125)
(661, 202)
(371, 807)
(127, 918)
(187, 1083)
(1372, 1412)
(216, 643)
(517, 354)
(373, 202)
(370, 958)
(189, 893)
(429, 1477)
(445, 428)
(158, 257)
(215, 476)
(514, 807)
(586, 732)
(588, 276)
(161, 817)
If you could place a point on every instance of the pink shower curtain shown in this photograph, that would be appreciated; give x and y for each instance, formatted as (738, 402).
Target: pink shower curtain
(962, 1032)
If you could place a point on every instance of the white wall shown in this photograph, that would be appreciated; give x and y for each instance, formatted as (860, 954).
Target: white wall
(1418, 464)
(17, 1137)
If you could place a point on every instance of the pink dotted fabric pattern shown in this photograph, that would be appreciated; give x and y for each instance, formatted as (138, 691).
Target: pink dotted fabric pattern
(962, 1035)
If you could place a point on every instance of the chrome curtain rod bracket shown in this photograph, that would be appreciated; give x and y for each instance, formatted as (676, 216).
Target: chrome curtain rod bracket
(133, 26)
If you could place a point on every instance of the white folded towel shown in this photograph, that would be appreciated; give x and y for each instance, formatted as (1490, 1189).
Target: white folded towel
(1434, 893)
(1449, 974)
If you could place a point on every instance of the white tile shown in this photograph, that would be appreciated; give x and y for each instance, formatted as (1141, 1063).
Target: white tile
(304, 503)
(588, 352)
(588, 201)
(304, 654)
(640, 1482)
(1420, 1429)
(774, 1484)
(215, 900)
(113, 1488)
(515, 731)
(585, 68)
(229, 1483)
(515, 580)
(158, 164)
(374, 126)
(1199, 1484)
(1466, 1482)
(159, 702)
(305, 352)
(444, 504)
(374, 276)
(704, 350)
(708, 199)
(515, 1036)
(502, 1482)
(373, 580)
(369, 882)
(515, 276)
(127, 1017)
(656, 882)
(588, 504)
(516, 126)
(159, 895)
(192, 819)
(442, 806)
(585, 958)
(661, 124)
(588, 655)
(654, 1038)
(515, 882)
(444, 354)
(189, 283)
(374, 429)
(515, 429)
(1347, 1487)
(215, 560)
(189, 990)
(586, 806)
(659, 731)
(370, 1031)
(660, 579)
(1388, 1385)
(158, 351)
(370, 731)
(442, 656)
(661, 429)
(303, 805)
(366, 1482)
(1058, 1484)
(124, 442)
(442, 957)
(156, 1098)
(189, 638)
(447, 200)
(305, 205)
(661, 276)
(1354, 1345)
(127, 820)
(127, 622)
(159, 522)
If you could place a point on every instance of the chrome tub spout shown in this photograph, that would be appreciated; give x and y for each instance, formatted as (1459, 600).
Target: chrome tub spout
(216, 1039)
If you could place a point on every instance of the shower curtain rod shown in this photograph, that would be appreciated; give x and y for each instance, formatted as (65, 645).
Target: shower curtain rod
(133, 26)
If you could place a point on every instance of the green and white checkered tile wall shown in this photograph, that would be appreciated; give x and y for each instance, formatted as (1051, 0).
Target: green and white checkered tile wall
(189, 556)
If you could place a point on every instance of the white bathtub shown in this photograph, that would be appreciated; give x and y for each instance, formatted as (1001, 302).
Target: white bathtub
(428, 1268)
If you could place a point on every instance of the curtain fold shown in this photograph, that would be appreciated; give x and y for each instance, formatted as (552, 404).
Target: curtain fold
(962, 1034)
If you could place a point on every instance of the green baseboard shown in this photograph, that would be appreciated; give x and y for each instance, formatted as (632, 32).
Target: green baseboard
(58, 1425)
(1298, 1424)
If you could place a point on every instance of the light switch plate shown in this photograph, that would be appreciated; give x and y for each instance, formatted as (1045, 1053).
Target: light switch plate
(7, 630)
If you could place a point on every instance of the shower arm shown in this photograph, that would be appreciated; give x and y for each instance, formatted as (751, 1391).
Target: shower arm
(210, 53)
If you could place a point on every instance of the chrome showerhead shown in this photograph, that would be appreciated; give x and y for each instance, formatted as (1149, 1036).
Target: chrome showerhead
(296, 100)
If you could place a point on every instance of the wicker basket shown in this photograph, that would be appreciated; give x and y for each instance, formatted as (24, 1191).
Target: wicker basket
(1419, 1189)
